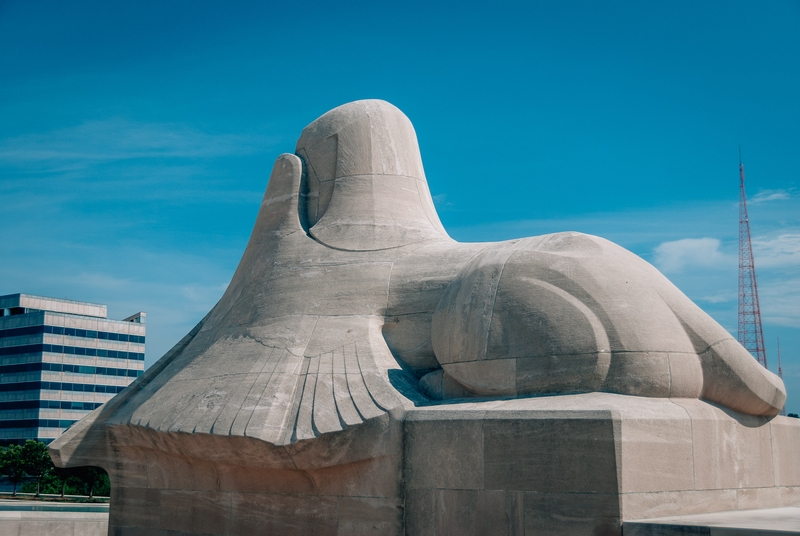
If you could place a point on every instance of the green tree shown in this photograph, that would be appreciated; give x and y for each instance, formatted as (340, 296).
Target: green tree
(36, 461)
(68, 479)
(62, 482)
(32, 459)
(95, 479)
(12, 465)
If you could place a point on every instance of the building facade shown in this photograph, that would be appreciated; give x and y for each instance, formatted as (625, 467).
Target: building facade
(60, 360)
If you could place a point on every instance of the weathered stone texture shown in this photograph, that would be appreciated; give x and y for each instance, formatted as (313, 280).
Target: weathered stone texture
(581, 464)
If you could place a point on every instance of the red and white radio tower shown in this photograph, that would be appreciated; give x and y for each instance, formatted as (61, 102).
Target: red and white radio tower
(751, 336)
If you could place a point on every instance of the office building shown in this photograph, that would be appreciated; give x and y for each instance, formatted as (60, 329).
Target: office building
(59, 360)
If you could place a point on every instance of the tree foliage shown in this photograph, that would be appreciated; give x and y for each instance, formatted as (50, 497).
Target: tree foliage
(36, 461)
(12, 465)
(31, 460)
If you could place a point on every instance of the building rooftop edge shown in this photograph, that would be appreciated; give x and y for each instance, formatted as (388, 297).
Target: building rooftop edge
(64, 306)
(104, 319)
(21, 295)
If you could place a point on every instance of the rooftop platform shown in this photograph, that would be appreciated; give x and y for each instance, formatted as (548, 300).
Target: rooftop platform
(56, 305)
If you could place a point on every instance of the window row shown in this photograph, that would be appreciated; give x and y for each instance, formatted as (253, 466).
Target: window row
(36, 423)
(61, 386)
(72, 350)
(72, 332)
(49, 404)
(80, 369)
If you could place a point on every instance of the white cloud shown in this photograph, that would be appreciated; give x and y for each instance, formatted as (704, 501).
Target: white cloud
(676, 255)
(783, 250)
(102, 281)
(441, 201)
(639, 230)
(720, 297)
(769, 195)
(175, 288)
(203, 294)
(791, 370)
(120, 160)
(780, 301)
(120, 139)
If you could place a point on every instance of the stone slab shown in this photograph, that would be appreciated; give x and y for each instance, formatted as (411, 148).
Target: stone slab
(50, 506)
(582, 464)
(770, 521)
(36, 518)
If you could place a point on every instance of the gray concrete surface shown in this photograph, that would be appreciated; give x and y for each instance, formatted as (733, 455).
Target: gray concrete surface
(38, 518)
(769, 521)
(583, 464)
(50, 506)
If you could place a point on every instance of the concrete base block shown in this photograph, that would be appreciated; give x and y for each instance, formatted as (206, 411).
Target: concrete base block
(768, 522)
(583, 464)
(339, 484)
(577, 464)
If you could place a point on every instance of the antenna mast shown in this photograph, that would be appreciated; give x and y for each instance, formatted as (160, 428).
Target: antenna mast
(751, 335)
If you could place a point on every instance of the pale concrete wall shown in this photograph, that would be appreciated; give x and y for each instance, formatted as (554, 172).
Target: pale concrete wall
(581, 464)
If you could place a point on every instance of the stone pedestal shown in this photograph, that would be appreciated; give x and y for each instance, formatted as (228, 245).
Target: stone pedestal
(201, 484)
(581, 464)
(332, 389)
(577, 464)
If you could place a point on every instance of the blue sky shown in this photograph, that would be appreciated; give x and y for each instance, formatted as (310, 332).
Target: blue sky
(136, 139)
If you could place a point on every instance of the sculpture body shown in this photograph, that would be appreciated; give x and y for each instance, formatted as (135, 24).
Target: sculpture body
(358, 372)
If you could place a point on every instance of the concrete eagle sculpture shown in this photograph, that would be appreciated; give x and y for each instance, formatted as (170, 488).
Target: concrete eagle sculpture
(351, 305)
